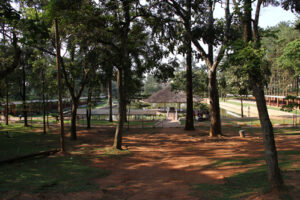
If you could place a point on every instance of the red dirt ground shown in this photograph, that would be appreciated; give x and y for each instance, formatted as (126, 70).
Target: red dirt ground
(165, 162)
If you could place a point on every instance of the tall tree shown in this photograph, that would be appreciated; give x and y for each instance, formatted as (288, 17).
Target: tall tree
(251, 56)
(58, 72)
(205, 29)
(189, 122)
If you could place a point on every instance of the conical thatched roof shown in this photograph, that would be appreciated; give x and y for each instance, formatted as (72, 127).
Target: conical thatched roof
(167, 96)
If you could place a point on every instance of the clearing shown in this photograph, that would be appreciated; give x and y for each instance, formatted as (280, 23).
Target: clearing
(172, 164)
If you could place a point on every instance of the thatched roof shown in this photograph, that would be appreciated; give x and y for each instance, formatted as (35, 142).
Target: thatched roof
(167, 96)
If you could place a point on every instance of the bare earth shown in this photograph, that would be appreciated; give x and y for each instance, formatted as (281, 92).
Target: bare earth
(164, 163)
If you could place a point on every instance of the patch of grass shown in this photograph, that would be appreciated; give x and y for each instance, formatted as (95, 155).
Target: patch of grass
(287, 153)
(17, 140)
(60, 174)
(18, 128)
(114, 123)
(238, 186)
(243, 185)
(237, 161)
(114, 153)
(287, 131)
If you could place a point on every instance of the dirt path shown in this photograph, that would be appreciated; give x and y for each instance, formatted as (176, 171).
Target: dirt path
(165, 163)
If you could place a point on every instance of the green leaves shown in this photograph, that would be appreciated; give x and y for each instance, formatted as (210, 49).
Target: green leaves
(249, 58)
(290, 59)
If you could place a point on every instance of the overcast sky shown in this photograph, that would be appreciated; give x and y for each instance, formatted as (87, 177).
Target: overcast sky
(271, 16)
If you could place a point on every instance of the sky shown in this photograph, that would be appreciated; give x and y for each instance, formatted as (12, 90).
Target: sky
(271, 16)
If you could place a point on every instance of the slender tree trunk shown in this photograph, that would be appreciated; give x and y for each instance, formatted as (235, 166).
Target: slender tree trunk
(189, 123)
(297, 85)
(60, 106)
(88, 118)
(24, 95)
(120, 76)
(274, 174)
(110, 99)
(74, 118)
(44, 104)
(47, 103)
(118, 134)
(125, 95)
(7, 103)
(89, 108)
(242, 107)
(215, 124)
(6, 82)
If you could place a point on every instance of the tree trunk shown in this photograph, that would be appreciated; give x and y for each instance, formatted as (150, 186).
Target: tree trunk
(189, 123)
(47, 113)
(110, 99)
(215, 124)
(74, 118)
(7, 103)
(118, 134)
(242, 107)
(247, 28)
(60, 106)
(24, 95)
(89, 108)
(297, 85)
(274, 174)
(120, 76)
(125, 95)
(44, 104)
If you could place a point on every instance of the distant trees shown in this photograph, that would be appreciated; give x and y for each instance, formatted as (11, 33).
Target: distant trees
(200, 81)
(151, 85)
(290, 59)
(283, 79)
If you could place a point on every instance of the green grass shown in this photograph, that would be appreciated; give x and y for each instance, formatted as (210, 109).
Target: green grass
(254, 106)
(237, 161)
(60, 174)
(114, 153)
(238, 186)
(22, 140)
(114, 123)
(245, 184)
(287, 131)
(255, 121)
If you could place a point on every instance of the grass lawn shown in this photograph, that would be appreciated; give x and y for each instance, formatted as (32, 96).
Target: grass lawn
(243, 185)
(253, 105)
(114, 123)
(17, 140)
(59, 173)
(56, 173)
(255, 121)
